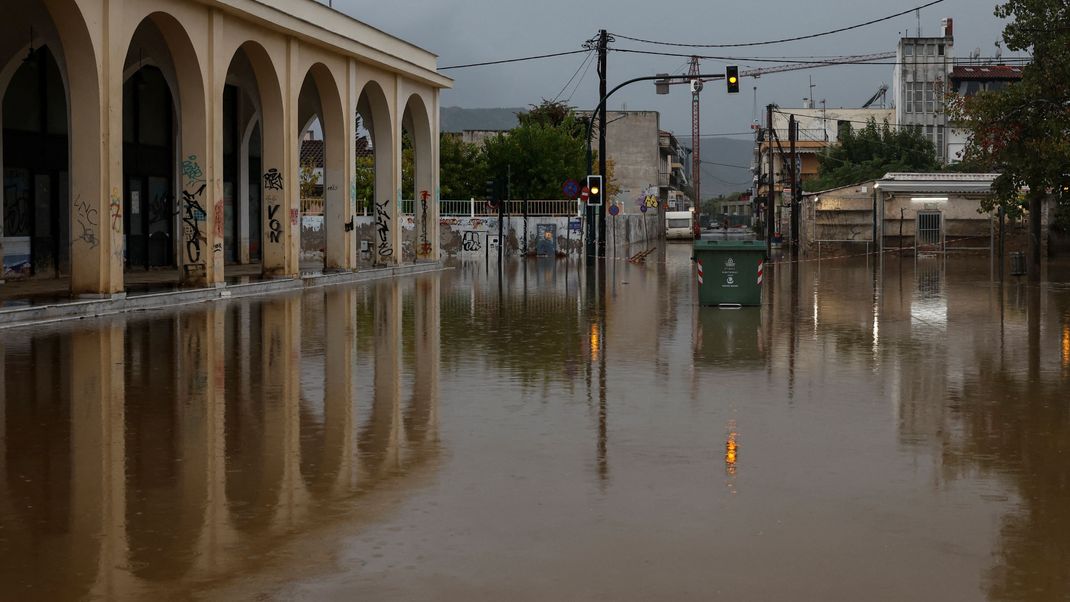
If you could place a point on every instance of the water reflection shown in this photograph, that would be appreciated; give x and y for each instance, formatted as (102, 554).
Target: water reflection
(910, 410)
(142, 456)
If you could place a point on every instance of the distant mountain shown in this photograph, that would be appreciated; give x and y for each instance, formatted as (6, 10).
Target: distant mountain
(456, 119)
(719, 179)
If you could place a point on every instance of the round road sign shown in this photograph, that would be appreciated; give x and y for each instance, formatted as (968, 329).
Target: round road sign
(586, 194)
(614, 210)
(643, 208)
(571, 188)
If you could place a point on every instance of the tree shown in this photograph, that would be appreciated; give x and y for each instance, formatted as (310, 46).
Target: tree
(1023, 130)
(462, 168)
(310, 180)
(540, 154)
(871, 152)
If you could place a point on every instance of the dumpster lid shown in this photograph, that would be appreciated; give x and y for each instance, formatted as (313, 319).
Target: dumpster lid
(729, 245)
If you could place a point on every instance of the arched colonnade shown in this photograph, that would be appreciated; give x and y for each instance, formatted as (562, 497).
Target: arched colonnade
(166, 134)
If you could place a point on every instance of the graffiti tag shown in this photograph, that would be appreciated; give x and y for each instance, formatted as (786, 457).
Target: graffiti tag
(273, 179)
(382, 227)
(470, 241)
(193, 214)
(88, 219)
(274, 225)
(116, 210)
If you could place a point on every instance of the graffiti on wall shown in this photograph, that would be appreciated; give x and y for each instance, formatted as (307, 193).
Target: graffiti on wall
(88, 220)
(115, 208)
(425, 241)
(546, 243)
(193, 214)
(470, 241)
(382, 228)
(274, 225)
(272, 184)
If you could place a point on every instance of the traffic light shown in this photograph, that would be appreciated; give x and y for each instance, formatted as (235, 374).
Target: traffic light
(731, 77)
(594, 190)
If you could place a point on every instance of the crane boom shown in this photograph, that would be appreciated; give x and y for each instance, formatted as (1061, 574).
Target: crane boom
(841, 60)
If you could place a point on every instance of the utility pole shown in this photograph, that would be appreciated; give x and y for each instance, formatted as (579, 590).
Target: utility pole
(602, 210)
(696, 133)
(792, 136)
(769, 190)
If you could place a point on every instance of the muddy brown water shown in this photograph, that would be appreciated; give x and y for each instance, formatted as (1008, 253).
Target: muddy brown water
(879, 432)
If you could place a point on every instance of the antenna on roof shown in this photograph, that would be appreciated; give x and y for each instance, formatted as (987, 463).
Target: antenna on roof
(999, 52)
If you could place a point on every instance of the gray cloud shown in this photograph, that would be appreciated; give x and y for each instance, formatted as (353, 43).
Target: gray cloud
(464, 31)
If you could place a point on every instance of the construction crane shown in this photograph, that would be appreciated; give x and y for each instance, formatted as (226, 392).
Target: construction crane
(696, 84)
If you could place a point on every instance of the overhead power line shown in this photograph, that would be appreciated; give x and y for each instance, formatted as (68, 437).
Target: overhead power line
(573, 78)
(516, 60)
(829, 61)
(705, 162)
(782, 40)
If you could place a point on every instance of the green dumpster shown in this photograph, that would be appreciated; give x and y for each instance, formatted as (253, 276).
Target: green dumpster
(729, 271)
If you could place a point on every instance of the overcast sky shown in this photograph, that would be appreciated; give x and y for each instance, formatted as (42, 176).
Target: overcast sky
(467, 31)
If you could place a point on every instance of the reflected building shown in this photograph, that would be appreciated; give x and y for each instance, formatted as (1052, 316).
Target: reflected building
(144, 456)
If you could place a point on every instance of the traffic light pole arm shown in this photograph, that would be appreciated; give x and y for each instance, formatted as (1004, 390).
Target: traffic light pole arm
(590, 121)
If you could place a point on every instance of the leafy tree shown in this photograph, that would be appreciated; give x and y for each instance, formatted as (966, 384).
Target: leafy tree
(1022, 130)
(462, 168)
(540, 154)
(310, 180)
(364, 183)
(871, 152)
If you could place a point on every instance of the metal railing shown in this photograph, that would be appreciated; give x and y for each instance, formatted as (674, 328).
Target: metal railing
(479, 208)
(312, 206)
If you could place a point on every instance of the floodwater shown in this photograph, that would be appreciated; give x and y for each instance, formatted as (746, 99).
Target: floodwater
(883, 431)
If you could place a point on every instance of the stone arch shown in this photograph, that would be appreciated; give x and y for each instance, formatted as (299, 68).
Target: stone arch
(373, 110)
(279, 249)
(416, 119)
(320, 82)
(165, 169)
(62, 26)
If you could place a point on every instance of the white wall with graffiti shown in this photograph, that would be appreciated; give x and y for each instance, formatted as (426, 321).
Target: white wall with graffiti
(469, 237)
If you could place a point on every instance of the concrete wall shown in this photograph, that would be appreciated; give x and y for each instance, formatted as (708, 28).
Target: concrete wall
(466, 237)
(823, 124)
(962, 225)
(632, 145)
(842, 218)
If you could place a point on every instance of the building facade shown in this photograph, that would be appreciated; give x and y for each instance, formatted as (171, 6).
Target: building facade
(923, 65)
(966, 81)
(166, 134)
(909, 211)
(673, 180)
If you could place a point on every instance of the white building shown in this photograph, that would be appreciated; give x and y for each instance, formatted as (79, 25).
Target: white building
(923, 65)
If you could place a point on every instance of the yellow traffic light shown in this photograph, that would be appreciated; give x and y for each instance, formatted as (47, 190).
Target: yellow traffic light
(731, 78)
(594, 190)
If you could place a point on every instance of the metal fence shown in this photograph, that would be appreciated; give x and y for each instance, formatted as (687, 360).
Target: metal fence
(476, 208)
(469, 208)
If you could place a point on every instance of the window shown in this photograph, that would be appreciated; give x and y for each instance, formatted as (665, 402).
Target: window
(930, 49)
(939, 141)
(930, 106)
(842, 127)
(909, 96)
(940, 50)
(908, 49)
(679, 223)
(918, 106)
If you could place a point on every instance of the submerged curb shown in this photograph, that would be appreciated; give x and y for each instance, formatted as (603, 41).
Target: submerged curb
(76, 309)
